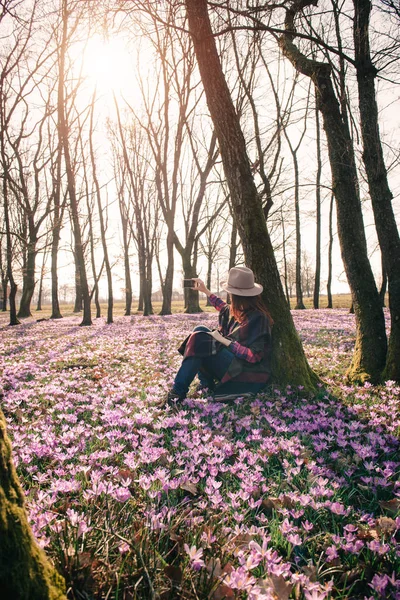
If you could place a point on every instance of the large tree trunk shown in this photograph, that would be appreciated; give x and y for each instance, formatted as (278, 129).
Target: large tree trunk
(381, 196)
(289, 362)
(371, 346)
(25, 572)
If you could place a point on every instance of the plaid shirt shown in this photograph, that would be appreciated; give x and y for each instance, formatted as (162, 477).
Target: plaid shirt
(238, 349)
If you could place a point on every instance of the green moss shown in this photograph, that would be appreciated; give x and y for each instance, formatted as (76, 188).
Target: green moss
(25, 572)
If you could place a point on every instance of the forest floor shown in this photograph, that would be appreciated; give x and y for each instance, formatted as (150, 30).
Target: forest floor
(338, 301)
(287, 495)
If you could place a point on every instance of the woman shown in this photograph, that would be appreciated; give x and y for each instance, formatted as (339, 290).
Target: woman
(237, 354)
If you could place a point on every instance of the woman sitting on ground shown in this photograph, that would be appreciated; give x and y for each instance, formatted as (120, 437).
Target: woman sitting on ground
(237, 355)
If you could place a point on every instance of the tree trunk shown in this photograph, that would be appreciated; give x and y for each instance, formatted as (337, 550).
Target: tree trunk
(63, 132)
(382, 291)
(285, 268)
(208, 278)
(191, 295)
(289, 364)
(330, 247)
(78, 288)
(233, 246)
(380, 193)
(13, 286)
(317, 275)
(40, 292)
(127, 271)
(169, 276)
(29, 280)
(371, 346)
(4, 286)
(25, 572)
(299, 291)
(101, 219)
(55, 242)
(148, 306)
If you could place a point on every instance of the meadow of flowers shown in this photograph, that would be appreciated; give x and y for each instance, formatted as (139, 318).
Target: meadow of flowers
(284, 496)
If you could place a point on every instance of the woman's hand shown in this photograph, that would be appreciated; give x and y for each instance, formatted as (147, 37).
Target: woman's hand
(220, 338)
(199, 285)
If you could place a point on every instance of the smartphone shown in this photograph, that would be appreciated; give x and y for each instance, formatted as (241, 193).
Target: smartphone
(188, 283)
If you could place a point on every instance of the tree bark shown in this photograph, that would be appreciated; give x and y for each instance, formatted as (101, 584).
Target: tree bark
(371, 345)
(13, 286)
(25, 572)
(78, 305)
(63, 132)
(4, 286)
(29, 279)
(380, 193)
(317, 275)
(55, 242)
(101, 219)
(191, 295)
(169, 276)
(330, 248)
(125, 241)
(289, 363)
(42, 273)
(382, 291)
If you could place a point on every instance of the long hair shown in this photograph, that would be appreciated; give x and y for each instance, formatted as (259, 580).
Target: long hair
(241, 305)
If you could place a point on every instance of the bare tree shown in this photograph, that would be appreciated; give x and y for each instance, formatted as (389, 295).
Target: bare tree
(63, 129)
(246, 204)
(101, 215)
(379, 190)
(370, 352)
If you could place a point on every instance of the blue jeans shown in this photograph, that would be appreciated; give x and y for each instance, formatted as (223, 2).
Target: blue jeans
(207, 368)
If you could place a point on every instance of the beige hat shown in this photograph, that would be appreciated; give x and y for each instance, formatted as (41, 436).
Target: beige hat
(241, 282)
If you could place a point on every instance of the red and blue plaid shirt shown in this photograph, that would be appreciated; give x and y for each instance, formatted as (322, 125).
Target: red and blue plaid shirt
(238, 349)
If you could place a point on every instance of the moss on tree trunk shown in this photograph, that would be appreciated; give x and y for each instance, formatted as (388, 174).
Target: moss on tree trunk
(25, 572)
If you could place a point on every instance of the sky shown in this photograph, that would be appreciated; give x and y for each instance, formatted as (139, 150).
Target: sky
(110, 67)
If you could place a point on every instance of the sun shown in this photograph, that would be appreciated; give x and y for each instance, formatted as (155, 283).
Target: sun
(107, 64)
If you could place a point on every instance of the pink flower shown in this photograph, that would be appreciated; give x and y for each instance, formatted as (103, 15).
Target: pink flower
(337, 508)
(239, 579)
(122, 494)
(294, 539)
(331, 553)
(195, 556)
(315, 594)
(379, 583)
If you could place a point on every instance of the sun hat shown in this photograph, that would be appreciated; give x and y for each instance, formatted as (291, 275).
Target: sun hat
(241, 282)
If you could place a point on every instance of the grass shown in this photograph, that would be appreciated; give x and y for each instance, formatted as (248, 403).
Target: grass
(338, 301)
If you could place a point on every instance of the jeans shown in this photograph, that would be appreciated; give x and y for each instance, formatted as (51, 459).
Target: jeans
(206, 368)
